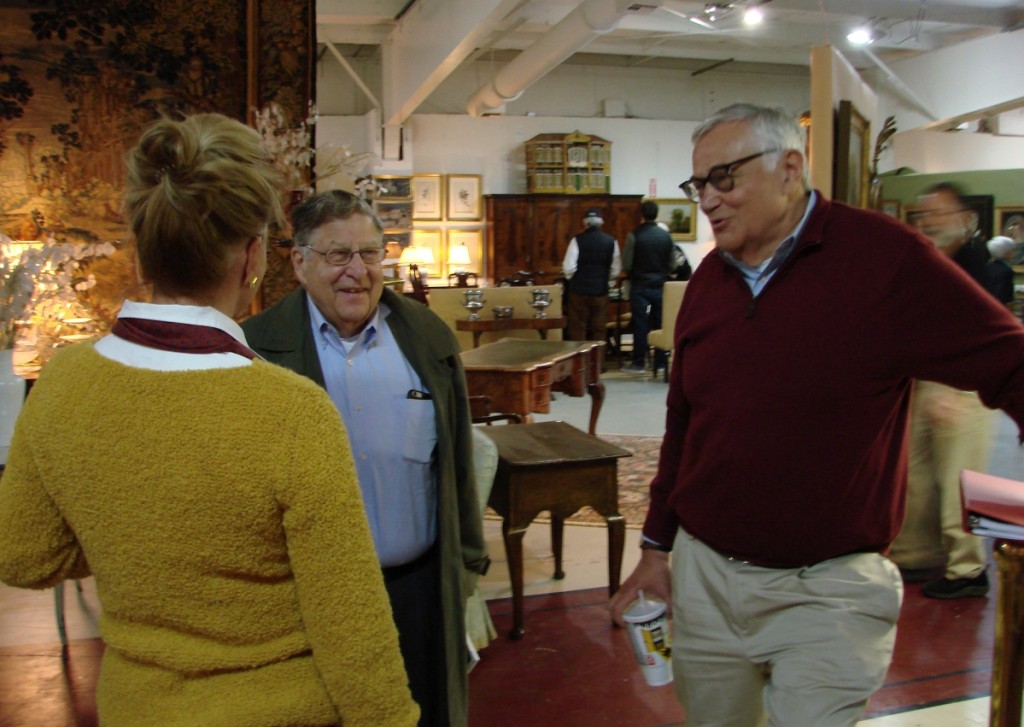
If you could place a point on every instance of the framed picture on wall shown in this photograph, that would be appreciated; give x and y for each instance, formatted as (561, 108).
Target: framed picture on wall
(680, 216)
(852, 155)
(394, 214)
(472, 241)
(1010, 222)
(429, 243)
(394, 187)
(427, 197)
(463, 193)
(983, 205)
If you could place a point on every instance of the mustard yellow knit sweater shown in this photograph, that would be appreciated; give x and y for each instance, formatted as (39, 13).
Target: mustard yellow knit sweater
(221, 517)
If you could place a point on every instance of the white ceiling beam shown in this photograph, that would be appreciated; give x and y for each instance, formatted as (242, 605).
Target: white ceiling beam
(429, 43)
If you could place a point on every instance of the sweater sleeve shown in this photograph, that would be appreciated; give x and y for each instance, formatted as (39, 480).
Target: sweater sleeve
(340, 588)
(37, 546)
(947, 328)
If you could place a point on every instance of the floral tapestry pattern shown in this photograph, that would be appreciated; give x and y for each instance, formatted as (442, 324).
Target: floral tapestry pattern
(78, 83)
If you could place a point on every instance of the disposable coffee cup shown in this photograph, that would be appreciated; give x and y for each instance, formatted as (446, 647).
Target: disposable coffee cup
(651, 640)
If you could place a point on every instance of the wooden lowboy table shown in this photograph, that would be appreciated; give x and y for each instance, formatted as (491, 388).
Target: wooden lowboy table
(483, 325)
(553, 466)
(519, 375)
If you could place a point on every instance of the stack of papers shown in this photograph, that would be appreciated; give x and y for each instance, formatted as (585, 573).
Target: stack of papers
(993, 506)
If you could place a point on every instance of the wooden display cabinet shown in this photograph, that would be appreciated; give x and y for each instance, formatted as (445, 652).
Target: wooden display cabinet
(528, 232)
(568, 164)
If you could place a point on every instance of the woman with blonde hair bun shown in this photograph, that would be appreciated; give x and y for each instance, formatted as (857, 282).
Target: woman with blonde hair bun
(211, 494)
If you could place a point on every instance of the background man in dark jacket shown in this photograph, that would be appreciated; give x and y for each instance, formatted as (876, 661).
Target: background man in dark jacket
(647, 262)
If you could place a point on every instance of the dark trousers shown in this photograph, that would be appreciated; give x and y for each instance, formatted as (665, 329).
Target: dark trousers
(645, 303)
(586, 317)
(415, 593)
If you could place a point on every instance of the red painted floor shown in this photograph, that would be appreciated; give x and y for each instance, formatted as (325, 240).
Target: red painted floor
(571, 669)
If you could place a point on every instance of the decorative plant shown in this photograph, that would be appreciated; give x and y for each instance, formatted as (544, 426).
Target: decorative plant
(294, 155)
(882, 142)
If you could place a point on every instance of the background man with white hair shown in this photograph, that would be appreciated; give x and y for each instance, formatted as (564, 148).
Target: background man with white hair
(591, 264)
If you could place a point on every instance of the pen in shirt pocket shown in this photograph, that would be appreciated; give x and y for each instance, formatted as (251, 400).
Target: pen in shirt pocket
(417, 394)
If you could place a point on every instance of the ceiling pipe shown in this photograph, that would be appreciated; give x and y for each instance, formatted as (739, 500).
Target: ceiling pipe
(589, 20)
(900, 86)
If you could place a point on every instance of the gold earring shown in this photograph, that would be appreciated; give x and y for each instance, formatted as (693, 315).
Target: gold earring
(255, 281)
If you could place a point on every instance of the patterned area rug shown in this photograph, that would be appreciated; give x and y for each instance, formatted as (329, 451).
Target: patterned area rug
(635, 474)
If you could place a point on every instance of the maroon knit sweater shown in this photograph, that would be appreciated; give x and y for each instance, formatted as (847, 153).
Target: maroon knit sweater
(785, 437)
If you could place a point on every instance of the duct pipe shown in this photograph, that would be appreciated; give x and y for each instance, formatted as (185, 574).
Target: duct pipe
(900, 86)
(575, 30)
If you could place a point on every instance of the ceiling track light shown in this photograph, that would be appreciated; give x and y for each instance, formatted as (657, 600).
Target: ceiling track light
(867, 33)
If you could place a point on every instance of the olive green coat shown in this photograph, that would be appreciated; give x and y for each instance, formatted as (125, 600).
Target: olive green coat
(283, 335)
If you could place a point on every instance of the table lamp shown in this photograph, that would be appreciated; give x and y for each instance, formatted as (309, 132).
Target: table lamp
(458, 259)
(415, 256)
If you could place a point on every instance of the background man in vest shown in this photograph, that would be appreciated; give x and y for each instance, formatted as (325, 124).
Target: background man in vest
(647, 261)
(591, 263)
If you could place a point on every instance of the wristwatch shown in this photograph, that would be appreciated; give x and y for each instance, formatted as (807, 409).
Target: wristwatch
(651, 545)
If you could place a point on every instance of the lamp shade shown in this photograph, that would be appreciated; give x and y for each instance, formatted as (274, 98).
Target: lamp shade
(458, 255)
(410, 255)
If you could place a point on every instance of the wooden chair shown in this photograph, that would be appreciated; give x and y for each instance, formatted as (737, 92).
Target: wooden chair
(58, 607)
(419, 291)
(661, 339)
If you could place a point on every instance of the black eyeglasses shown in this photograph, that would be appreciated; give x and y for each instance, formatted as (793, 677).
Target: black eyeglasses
(720, 177)
(339, 257)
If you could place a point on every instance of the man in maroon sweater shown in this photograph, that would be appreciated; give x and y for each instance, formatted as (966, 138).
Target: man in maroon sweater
(782, 475)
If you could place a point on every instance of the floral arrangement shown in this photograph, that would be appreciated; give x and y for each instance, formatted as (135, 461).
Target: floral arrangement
(294, 154)
(39, 292)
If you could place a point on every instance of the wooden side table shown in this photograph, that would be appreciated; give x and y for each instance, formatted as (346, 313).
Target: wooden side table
(1008, 661)
(553, 466)
(519, 375)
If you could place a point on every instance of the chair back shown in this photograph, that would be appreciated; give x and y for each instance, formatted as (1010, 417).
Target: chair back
(671, 302)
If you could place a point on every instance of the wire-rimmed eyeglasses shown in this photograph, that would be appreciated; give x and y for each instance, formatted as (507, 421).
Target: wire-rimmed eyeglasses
(339, 256)
(720, 176)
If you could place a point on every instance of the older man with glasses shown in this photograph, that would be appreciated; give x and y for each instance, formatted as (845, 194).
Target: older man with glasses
(394, 371)
(782, 473)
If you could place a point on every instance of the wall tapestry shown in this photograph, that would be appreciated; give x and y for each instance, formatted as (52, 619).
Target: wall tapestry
(78, 83)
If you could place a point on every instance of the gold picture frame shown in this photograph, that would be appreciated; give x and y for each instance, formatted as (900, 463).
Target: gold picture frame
(1004, 215)
(852, 156)
(427, 197)
(463, 193)
(680, 216)
(397, 187)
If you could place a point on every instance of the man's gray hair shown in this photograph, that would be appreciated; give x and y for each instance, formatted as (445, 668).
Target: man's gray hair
(772, 126)
(324, 207)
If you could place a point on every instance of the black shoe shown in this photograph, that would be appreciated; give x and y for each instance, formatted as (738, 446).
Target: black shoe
(958, 588)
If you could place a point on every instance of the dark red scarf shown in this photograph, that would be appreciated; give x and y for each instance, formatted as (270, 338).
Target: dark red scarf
(181, 337)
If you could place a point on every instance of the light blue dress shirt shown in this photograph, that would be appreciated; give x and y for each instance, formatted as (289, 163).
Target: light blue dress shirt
(391, 429)
(757, 276)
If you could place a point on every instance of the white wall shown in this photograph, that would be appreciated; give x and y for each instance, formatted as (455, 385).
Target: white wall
(931, 152)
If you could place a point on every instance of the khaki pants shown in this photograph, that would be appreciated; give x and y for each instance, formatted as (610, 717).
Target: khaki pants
(786, 647)
(950, 430)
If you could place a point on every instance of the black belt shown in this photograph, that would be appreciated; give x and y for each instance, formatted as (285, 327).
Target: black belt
(394, 572)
